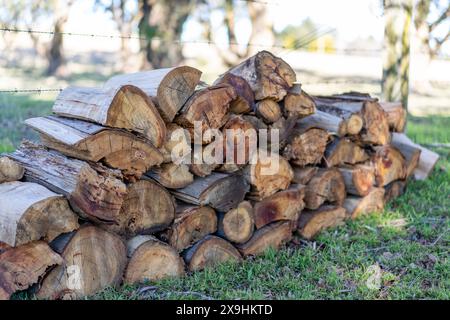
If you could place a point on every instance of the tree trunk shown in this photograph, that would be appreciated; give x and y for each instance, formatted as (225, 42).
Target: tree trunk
(10, 170)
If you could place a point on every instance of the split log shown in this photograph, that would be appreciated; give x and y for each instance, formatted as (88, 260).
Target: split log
(204, 159)
(311, 222)
(411, 155)
(297, 103)
(282, 129)
(267, 75)
(394, 190)
(177, 145)
(22, 266)
(87, 141)
(327, 186)
(283, 205)
(10, 170)
(389, 164)
(209, 252)
(256, 122)
(245, 99)
(372, 202)
(147, 208)
(304, 175)
(342, 151)
(273, 236)
(358, 179)
(169, 87)
(4, 247)
(191, 224)
(30, 212)
(172, 176)
(396, 115)
(95, 194)
(306, 147)
(240, 141)
(269, 110)
(125, 107)
(93, 260)
(151, 260)
(237, 224)
(428, 158)
(326, 121)
(220, 191)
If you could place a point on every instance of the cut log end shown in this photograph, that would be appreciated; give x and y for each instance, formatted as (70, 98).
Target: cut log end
(372, 202)
(237, 224)
(326, 187)
(306, 147)
(311, 222)
(10, 170)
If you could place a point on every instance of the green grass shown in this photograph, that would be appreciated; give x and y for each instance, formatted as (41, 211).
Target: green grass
(409, 241)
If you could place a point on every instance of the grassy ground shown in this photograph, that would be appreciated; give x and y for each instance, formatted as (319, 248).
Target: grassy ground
(408, 242)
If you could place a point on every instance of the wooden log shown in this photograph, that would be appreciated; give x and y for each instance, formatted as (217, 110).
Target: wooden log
(83, 140)
(273, 236)
(10, 170)
(237, 225)
(283, 205)
(302, 175)
(267, 75)
(326, 121)
(204, 158)
(172, 176)
(147, 208)
(311, 222)
(151, 260)
(170, 87)
(93, 260)
(396, 115)
(306, 147)
(4, 247)
(125, 107)
(411, 155)
(240, 141)
(327, 186)
(191, 224)
(209, 252)
(269, 110)
(343, 151)
(22, 266)
(29, 212)
(394, 190)
(372, 202)
(245, 99)
(389, 165)
(283, 128)
(358, 179)
(220, 191)
(297, 103)
(95, 194)
(177, 146)
(257, 123)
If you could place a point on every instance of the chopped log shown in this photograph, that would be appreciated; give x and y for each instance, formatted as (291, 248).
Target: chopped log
(311, 222)
(281, 129)
(93, 260)
(267, 174)
(10, 170)
(283, 205)
(302, 175)
(151, 260)
(411, 155)
(306, 147)
(396, 115)
(389, 165)
(237, 224)
(191, 224)
(428, 158)
(256, 122)
(240, 141)
(342, 151)
(95, 194)
(394, 190)
(4, 247)
(125, 107)
(220, 191)
(29, 212)
(170, 87)
(22, 266)
(326, 121)
(209, 252)
(245, 99)
(372, 202)
(358, 179)
(327, 186)
(147, 208)
(297, 103)
(267, 75)
(87, 141)
(269, 110)
(172, 176)
(205, 160)
(177, 145)
(273, 236)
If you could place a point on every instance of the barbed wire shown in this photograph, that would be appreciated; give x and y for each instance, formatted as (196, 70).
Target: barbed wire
(267, 3)
(37, 90)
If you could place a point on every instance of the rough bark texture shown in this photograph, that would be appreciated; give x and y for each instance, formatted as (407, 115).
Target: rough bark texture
(342, 151)
(358, 179)
(411, 155)
(269, 110)
(311, 222)
(306, 147)
(297, 103)
(172, 176)
(372, 202)
(245, 99)
(326, 121)
(240, 141)
(302, 175)
(237, 225)
(10, 170)
(396, 115)
(327, 186)
(394, 190)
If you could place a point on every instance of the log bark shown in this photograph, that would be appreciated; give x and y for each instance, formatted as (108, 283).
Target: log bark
(394, 190)
(151, 260)
(267, 75)
(342, 151)
(237, 225)
(95, 194)
(22, 266)
(283, 205)
(93, 260)
(172, 176)
(10, 170)
(273, 236)
(83, 140)
(170, 87)
(220, 191)
(30, 212)
(209, 252)
(389, 164)
(312, 222)
(125, 107)
(372, 202)
(245, 99)
(411, 155)
(283, 128)
(358, 179)
(327, 186)
(326, 121)
(297, 103)
(302, 175)
(269, 110)
(396, 115)
(306, 147)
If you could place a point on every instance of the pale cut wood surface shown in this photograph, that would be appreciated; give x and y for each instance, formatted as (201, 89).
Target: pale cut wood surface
(10, 170)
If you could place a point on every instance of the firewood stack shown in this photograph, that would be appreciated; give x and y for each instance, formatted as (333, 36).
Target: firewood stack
(110, 195)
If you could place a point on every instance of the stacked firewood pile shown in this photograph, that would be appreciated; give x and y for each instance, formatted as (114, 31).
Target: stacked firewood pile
(119, 189)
